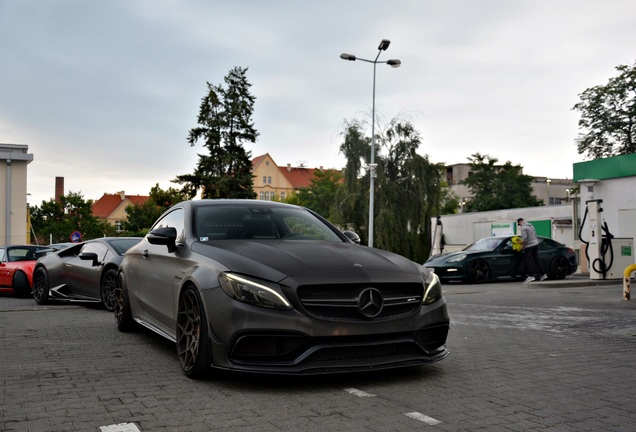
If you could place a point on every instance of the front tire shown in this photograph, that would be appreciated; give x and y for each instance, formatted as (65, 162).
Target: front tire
(123, 314)
(41, 286)
(194, 349)
(107, 289)
(478, 272)
(21, 287)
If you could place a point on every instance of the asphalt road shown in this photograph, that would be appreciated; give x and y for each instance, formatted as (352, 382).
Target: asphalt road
(523, 357)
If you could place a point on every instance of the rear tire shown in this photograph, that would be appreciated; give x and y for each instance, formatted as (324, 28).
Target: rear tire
(41, 286)
(21, 287)
(559, 268)
(194, 349)
(107, 289)
(123, 314)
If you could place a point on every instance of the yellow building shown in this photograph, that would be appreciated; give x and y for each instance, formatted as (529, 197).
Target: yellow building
(271, 180)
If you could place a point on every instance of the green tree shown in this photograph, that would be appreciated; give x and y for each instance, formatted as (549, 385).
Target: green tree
(496, 187)
(321, 194)
(449, 201)
(166, 198)
(224, 124)
(58, 220)
(408, 188)
(608, 116)
(140, 217)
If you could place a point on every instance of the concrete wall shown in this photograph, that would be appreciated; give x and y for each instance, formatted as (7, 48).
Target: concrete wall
(460, 230)
(14, 159)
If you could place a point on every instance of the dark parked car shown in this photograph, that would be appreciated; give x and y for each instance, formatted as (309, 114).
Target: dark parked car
(85, 272)
(495, 258)
(268, 287)
(16, 268)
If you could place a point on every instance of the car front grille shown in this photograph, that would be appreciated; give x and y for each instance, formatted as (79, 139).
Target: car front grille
(297, 352)
(343, 302)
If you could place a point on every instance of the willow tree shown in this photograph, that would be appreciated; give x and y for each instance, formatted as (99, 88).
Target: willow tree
(224, 125)
(407, 193)
(351, 205)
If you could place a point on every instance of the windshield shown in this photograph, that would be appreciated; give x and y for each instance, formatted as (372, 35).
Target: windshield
(234, 221)
(26, 253)
(484, 245)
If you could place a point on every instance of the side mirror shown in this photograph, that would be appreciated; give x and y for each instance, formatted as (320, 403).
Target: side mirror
(89, 256)
(164, 236)
(352, 236)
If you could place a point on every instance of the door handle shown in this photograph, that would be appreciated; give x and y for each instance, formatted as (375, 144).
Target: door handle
(145, 253)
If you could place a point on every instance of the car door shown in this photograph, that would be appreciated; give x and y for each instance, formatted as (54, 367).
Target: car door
(82, 276)
(505, 262)
(5, 272)
(155, 275)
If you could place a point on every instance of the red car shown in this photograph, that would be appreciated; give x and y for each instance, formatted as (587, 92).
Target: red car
(16, 268)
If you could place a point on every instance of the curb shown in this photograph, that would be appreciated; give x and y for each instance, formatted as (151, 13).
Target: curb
(574, 282)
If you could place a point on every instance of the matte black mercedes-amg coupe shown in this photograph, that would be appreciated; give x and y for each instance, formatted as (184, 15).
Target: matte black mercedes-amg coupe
(267, 287)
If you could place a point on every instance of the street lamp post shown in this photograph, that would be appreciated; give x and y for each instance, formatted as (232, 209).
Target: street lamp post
(384, 44)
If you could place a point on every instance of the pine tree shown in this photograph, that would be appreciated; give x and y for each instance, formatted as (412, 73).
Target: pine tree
(224, 125)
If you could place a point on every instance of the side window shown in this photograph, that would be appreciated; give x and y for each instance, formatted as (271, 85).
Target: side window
(173, 219)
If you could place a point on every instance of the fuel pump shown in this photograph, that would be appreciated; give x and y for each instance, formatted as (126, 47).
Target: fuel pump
(599, 250)
(438, 238)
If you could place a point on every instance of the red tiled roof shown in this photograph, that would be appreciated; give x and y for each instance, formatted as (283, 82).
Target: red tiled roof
(258, 160)
(108, 203)
(298, 177)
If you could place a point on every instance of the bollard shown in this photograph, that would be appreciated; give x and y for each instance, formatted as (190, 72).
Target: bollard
(626, 273)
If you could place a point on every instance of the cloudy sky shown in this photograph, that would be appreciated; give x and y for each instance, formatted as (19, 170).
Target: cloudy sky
(105, 92)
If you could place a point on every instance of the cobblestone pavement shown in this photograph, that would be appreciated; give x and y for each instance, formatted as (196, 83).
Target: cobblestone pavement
(522, 358)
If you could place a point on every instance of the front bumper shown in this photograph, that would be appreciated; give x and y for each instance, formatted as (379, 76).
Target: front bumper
(255, 339)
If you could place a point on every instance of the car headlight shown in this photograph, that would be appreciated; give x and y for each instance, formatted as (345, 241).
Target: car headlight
(457, 258)
(245, 290)
(433, 289)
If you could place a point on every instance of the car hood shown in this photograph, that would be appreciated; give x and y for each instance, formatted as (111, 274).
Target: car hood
(443, 258)
(309, 261)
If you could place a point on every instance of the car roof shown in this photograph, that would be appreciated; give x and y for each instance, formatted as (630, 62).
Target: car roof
(225, 201)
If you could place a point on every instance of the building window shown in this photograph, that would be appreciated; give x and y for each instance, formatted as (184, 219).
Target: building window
(261, 196)
(264, 179)
(266, 163)
(118, 226)
(269, 180)
(282, 196)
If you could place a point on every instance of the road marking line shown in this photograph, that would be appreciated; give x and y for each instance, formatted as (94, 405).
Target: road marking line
(122, 427)
(359, 393)
(423, 418)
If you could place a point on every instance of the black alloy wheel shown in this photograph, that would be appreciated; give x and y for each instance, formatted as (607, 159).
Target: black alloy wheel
(41, 286)
(107, 289)
(478, 271)
(194, 350)
(559, 268)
